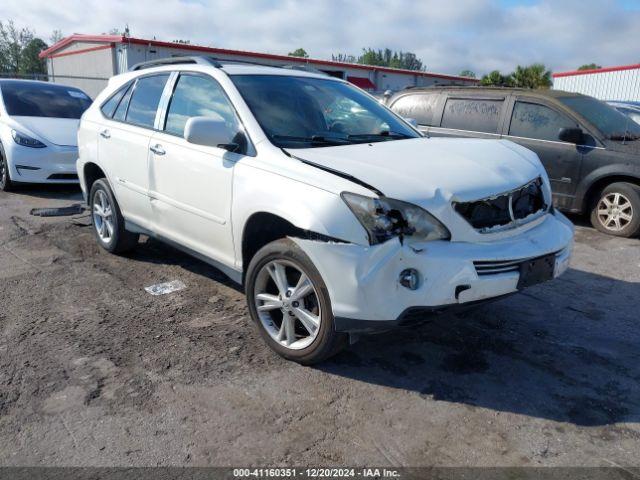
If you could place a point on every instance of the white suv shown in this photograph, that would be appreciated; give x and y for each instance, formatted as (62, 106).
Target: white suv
(334, 213)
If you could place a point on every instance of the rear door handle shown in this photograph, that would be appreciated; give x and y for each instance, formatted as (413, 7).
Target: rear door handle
(105, 134)
(157, 149)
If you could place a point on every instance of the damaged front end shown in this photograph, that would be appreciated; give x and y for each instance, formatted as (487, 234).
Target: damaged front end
(507, 210)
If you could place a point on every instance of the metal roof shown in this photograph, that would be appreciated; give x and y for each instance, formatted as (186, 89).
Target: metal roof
(113, 39)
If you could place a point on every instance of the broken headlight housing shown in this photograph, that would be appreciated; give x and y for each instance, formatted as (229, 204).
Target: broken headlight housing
(385, 218)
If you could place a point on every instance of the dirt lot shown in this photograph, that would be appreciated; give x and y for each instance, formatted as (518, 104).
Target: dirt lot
(95, 371)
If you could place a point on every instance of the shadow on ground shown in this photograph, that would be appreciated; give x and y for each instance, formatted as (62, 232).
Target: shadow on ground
(52, 191)
(566, 351)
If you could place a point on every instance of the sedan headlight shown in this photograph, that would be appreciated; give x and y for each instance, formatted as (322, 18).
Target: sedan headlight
(384, 218)
(26, 140)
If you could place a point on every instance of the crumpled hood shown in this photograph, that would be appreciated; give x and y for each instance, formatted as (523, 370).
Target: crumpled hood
(59, 131)
(430, 171)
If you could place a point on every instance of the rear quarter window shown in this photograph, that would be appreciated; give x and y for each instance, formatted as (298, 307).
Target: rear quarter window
(109, 107)
(477, 115)
(419, 106)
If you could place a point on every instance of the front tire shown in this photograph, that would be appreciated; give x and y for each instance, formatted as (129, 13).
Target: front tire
(616, 210)
(107, 220)
(290, 304)
(6, 185)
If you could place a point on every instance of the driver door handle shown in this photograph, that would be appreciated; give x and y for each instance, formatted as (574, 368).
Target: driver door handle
(157, 149)
(105, 133)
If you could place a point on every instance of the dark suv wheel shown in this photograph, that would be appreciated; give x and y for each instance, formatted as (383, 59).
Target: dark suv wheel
(108, 222)
(616, 210)
(289, 302)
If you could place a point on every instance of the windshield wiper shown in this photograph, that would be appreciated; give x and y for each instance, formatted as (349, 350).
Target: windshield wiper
(382, 135)
(314, 139)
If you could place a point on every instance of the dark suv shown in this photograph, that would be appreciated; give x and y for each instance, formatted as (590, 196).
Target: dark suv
(590, 150)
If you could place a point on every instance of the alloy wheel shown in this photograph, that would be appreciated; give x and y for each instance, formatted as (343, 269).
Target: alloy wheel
(103, 216)
(287, 304)
(615, 211)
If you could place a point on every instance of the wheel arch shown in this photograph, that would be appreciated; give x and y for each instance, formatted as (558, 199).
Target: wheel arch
(264, 227)
(91, 172)
(596, 185)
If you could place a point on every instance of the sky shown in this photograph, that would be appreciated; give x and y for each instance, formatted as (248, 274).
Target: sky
(447, 35)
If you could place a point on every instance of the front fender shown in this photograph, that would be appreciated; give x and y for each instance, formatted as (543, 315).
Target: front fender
(305, 206)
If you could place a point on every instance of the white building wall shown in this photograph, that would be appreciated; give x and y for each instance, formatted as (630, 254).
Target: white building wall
(89, 71)
(622, 85)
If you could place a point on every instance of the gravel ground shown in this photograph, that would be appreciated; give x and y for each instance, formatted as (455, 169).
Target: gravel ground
(94, 371)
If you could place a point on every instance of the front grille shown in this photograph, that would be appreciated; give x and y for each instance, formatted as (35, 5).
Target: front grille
(63, 176)
(506, 210)
(492, 267)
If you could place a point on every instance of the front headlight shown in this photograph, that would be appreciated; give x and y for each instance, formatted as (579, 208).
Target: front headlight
(384, 218)
(26, 140)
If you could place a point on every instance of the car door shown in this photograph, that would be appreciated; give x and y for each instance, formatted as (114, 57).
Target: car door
(190, 185)
(123, 145)
(535, 124)
(471, 116)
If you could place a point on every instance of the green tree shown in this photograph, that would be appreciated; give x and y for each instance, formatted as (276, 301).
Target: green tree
(31, 63)
(533, 76)
(383, 58)
(589, 66)
(19, 49)
(495, 79)
(299, 52)
(344, 58)
(468, 73)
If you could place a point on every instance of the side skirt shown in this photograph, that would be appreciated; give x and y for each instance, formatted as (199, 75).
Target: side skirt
(233, 274)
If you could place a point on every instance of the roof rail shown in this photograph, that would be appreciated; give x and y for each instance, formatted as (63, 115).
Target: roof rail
(199, 60)
(215, 62)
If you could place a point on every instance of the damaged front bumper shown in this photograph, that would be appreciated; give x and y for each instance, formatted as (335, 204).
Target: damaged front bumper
(364, 281)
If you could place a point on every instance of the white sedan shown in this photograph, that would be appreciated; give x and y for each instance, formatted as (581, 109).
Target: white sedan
(38, 132)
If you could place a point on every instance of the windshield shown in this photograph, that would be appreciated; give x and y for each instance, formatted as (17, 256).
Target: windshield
(300, 112)
(31, 99)
(608, 120)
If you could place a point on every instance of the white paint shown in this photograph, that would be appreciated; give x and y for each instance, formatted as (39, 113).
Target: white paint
(209, 195)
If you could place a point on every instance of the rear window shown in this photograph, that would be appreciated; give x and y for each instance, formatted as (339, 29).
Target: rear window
(145, 99)
(31, 99)
(419, 106)
(476, 115)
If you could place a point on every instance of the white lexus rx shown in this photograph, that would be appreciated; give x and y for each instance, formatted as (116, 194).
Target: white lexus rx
(38, 132)
(336, 215)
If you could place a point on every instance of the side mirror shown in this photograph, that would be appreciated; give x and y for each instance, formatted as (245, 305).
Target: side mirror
(570, 135)
(411, 121)
(210, 131)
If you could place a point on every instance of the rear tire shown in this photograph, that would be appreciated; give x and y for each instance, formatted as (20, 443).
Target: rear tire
(616, 210)
(107, 220)
(6, 185)
(290, 304)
